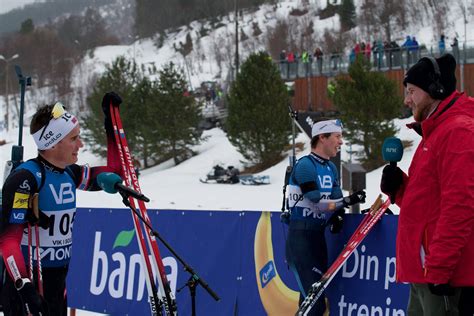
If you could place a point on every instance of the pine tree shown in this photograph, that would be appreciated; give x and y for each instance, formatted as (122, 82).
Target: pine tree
(178, 115)
(122, 76)
(27, 26)
(368, 101)
(160, 121)
(258, 123)
(347, 13)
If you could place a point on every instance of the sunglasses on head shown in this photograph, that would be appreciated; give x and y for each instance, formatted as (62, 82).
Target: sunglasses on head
(57, 111)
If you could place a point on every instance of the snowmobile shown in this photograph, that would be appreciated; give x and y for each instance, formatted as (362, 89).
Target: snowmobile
(220, 174)
(231, 175)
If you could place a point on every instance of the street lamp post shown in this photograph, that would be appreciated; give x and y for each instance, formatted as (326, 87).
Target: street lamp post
(236, 38)
(7, 112)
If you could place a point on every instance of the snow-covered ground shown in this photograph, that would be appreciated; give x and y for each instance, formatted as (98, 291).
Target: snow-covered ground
(178, 187)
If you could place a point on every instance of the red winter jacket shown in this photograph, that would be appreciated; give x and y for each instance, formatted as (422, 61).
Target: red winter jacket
(435, 239)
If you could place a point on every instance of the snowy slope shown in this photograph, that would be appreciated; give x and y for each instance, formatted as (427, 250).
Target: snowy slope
(178, 187)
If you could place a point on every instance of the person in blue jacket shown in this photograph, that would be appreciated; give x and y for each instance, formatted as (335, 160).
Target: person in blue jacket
(315, 201)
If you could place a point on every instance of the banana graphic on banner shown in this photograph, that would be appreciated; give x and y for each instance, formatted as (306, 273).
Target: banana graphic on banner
(276, 297)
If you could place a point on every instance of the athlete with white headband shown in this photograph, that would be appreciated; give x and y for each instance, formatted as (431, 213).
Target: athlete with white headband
(60, 124)
(54, 176)
(315, 201)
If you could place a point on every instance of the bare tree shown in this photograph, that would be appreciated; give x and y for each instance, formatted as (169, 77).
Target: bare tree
(388, 14)
(277, 38)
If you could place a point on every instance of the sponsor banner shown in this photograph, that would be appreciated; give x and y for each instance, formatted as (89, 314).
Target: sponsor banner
(239, 254)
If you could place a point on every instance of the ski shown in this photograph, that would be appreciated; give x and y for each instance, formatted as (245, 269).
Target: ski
(144, 237)
(370, 219)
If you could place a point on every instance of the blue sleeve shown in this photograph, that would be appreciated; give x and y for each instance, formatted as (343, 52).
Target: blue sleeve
(305, 172)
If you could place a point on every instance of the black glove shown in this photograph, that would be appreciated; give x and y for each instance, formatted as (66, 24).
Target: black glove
(442, 289)
(111, 96)
(43, 221)
(116, 100)
(392, 180)
(354, 198)
(34, 304)
(336, 222)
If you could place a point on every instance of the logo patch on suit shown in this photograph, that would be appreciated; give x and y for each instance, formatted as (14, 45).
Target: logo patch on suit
(18, 216)
(20, 201)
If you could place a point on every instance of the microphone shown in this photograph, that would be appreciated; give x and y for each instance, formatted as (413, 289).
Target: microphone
(392, 151)
(112, 183)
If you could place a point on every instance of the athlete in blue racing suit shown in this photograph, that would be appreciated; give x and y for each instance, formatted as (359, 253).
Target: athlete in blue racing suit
(315, 201)
(54, 176)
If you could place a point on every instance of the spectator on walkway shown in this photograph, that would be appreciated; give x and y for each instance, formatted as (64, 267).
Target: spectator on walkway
(368, 51)
(352, 56)
(290, 58)
(455, 47)
(415, 48)
(388, 53)
(306, 62)
(406, 48)
(442, 45)
(396, 54)
(283, 56)
(379, 48)
(318, 54)
(357, 49)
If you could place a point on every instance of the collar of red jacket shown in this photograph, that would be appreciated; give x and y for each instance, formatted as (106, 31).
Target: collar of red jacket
(427, 126)
(442, 113)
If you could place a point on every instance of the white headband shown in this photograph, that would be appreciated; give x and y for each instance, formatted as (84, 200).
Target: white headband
(54, 131)
(329, 126)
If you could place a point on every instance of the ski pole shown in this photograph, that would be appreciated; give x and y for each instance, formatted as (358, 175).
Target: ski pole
(39, 269)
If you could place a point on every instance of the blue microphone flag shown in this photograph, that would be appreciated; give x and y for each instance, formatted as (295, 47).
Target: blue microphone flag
(392, 149)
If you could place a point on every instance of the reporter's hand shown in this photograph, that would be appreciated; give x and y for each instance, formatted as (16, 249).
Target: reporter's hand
(32, 301)
(441, 289)
(392, 180)
(354, 198)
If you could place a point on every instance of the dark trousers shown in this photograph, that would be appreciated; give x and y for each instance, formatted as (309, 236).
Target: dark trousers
(466, 302)
(54, 286)
(306, 254)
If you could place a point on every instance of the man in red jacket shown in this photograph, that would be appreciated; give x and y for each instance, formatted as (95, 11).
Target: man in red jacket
(435, 239)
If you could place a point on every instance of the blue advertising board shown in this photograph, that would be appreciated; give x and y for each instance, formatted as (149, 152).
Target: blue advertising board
(239, 254)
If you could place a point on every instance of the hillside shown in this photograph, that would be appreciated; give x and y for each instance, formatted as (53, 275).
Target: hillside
(205, 49)
(210, 59)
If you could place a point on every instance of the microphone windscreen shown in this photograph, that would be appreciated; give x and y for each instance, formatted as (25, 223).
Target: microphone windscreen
(108, 180)
(392, 149)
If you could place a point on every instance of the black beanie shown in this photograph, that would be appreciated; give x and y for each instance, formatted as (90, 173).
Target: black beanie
(422, 73)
